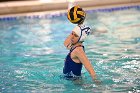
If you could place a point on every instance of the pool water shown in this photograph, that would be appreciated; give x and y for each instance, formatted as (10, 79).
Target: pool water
(32, 53)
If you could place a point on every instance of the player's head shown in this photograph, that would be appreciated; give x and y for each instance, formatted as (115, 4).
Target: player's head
(79, 35)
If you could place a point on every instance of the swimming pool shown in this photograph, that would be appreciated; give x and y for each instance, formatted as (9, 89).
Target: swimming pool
(32, 52)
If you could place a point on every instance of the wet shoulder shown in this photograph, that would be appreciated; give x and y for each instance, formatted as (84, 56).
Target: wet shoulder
(79, 50)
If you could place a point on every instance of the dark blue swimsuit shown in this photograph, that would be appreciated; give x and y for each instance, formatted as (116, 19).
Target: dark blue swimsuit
(72, 69)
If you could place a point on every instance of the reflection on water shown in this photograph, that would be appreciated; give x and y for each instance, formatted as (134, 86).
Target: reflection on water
(116, 54)
(32, 54)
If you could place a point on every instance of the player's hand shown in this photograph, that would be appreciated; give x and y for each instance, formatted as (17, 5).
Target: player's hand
(98, 82)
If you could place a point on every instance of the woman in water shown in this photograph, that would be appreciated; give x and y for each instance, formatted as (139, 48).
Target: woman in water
(77, 56)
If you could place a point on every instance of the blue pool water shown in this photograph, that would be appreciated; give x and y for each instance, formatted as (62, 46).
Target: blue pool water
(32, 53)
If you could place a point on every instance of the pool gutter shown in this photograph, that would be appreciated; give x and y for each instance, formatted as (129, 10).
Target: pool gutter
(36, 6)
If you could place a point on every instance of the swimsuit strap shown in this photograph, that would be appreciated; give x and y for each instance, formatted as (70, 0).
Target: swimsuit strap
(75, 47)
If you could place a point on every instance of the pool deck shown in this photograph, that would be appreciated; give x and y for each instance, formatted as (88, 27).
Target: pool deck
(22, 7)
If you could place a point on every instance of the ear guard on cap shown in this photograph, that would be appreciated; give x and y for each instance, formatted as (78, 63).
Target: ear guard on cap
(82, 32)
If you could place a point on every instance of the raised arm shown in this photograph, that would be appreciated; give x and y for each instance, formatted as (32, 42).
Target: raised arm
(67, 42)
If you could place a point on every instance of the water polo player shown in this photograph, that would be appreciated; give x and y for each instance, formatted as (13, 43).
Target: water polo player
(74, 42)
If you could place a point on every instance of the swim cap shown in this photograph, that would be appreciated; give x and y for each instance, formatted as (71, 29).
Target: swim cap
(82, 31)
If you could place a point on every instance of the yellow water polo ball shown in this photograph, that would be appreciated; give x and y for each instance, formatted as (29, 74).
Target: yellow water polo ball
(76, 15)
